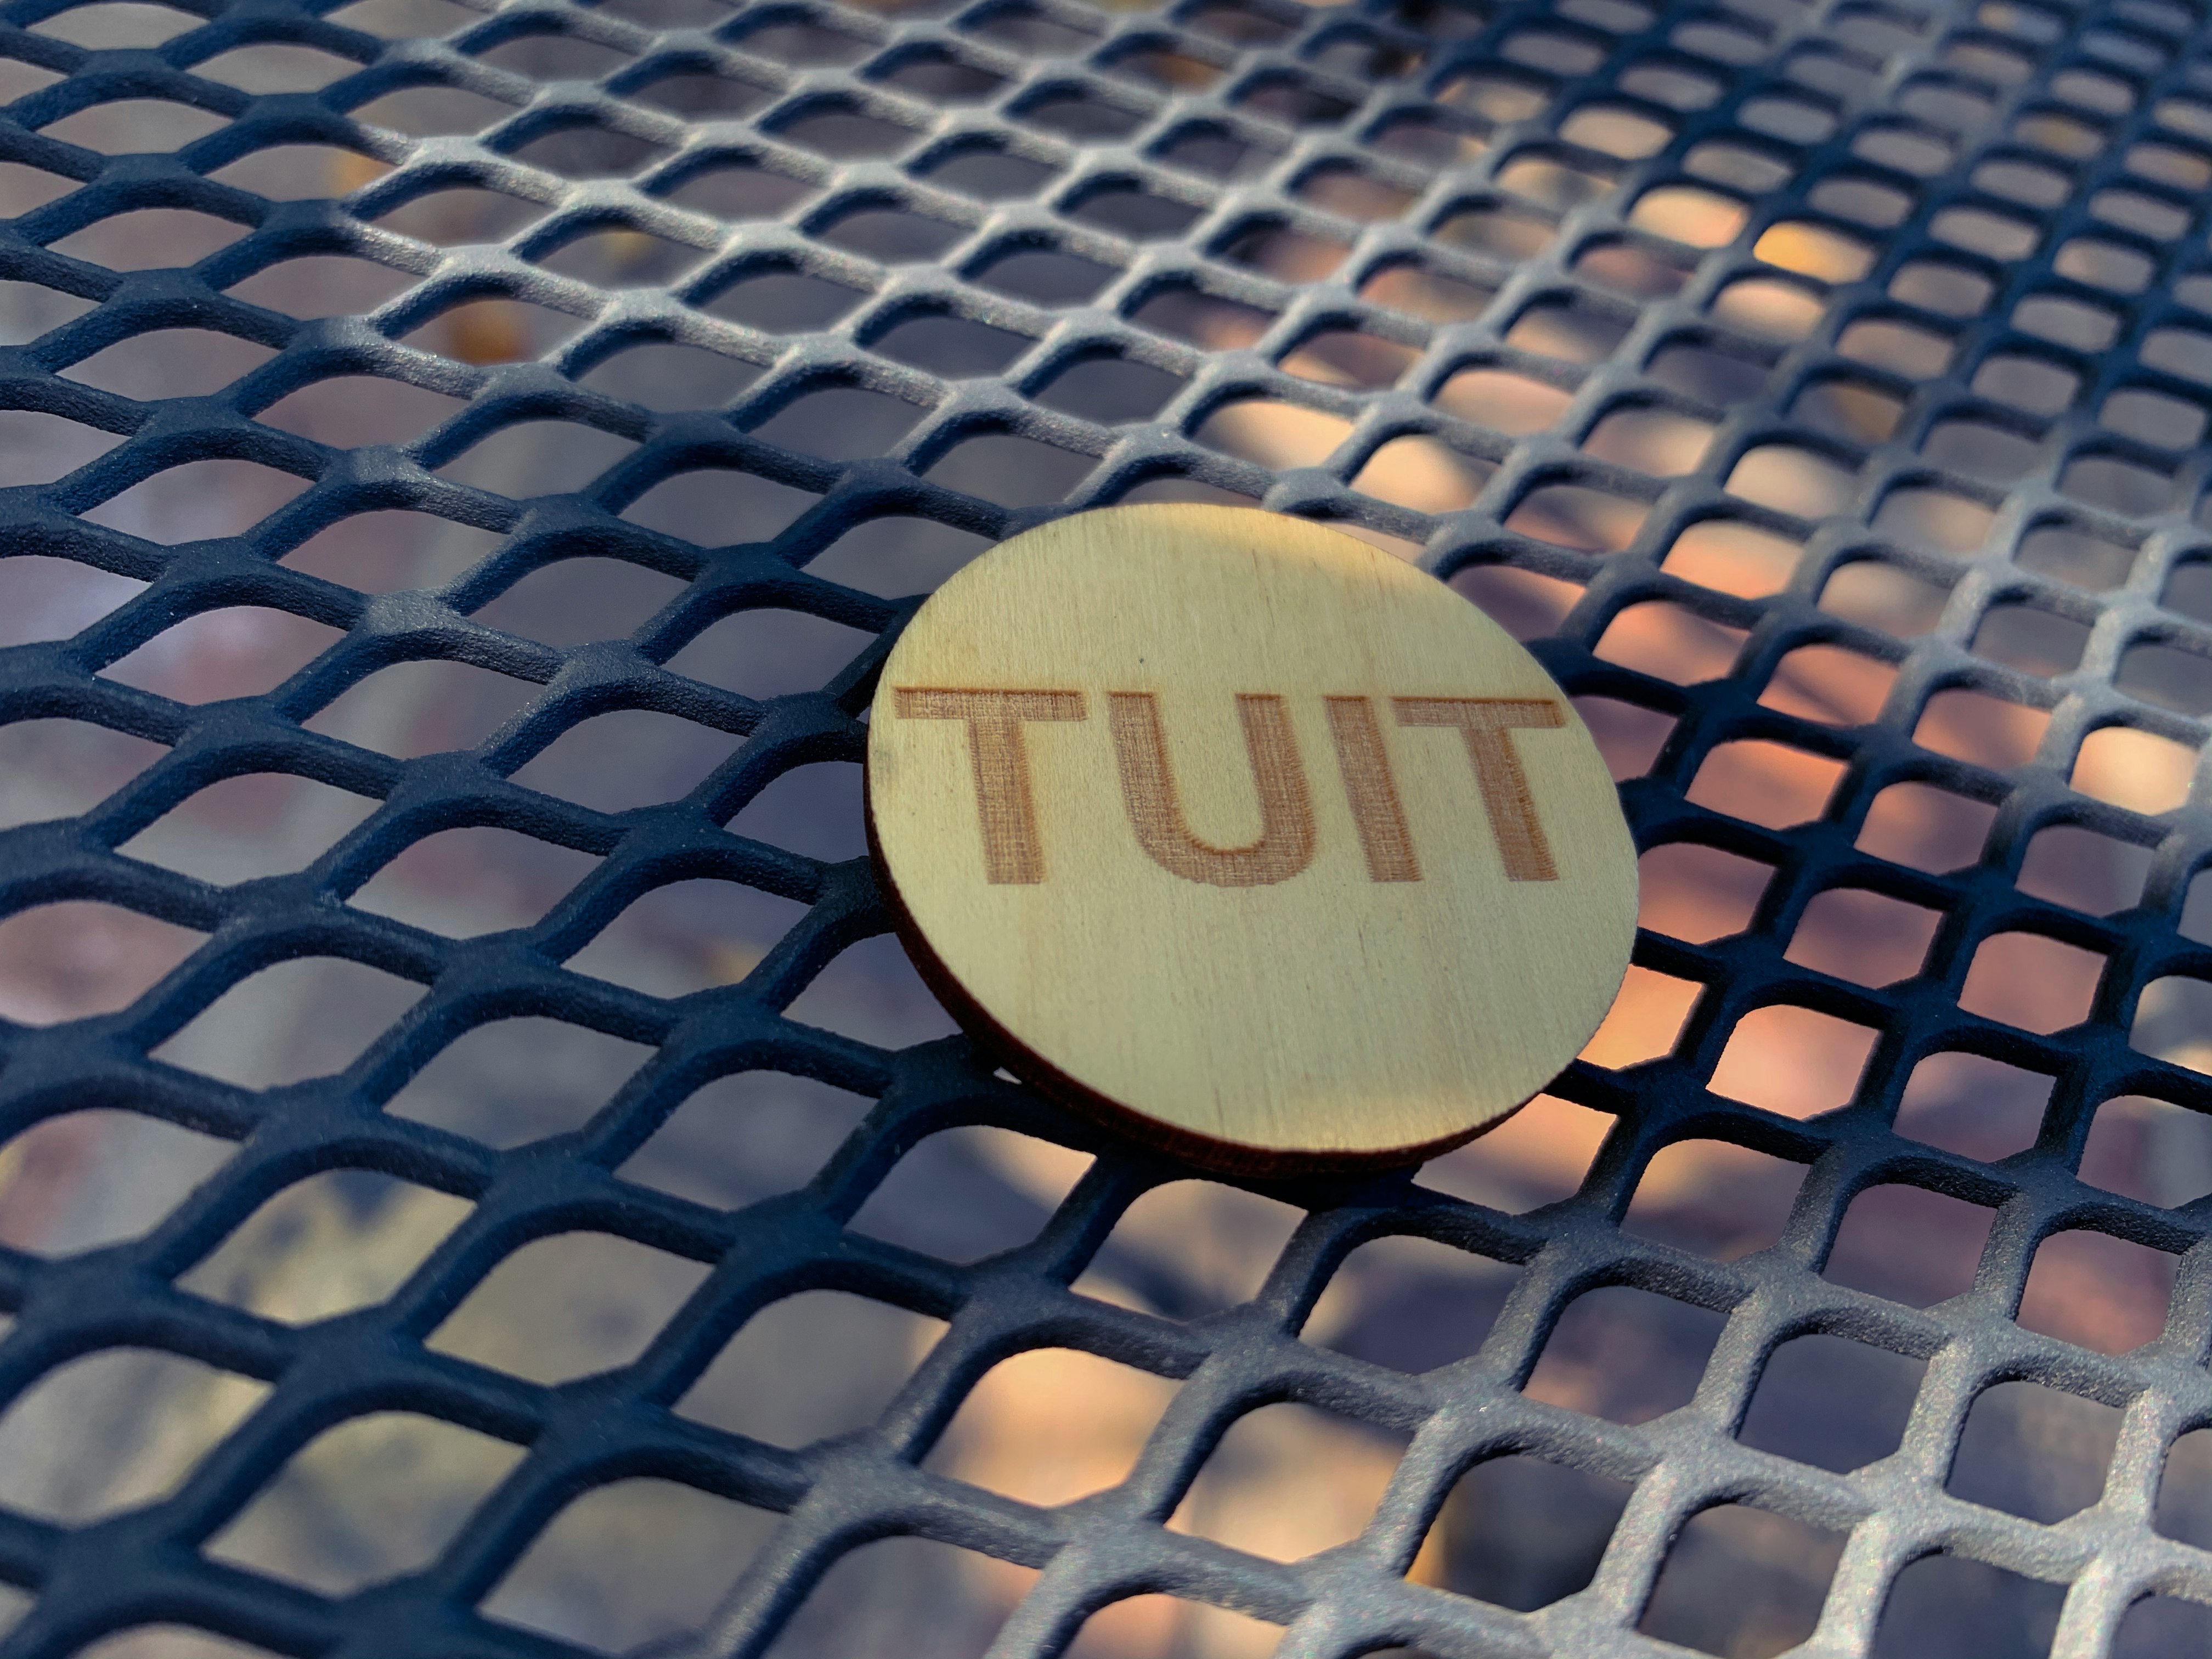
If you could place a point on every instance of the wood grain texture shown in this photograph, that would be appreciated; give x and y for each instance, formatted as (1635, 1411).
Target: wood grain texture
(1269, 848)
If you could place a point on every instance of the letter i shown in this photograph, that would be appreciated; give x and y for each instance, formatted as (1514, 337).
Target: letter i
(1376, 811)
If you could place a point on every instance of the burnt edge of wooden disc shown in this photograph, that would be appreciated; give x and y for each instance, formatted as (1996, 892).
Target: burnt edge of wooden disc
(1224, 1157)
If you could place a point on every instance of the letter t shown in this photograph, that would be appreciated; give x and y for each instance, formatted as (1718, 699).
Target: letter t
(1010, 854)
(1486, 724)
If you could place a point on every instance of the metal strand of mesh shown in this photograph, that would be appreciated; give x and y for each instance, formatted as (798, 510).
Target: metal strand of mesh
(1435, 106)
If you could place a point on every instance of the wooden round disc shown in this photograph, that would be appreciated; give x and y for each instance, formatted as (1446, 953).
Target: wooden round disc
(1269, 848)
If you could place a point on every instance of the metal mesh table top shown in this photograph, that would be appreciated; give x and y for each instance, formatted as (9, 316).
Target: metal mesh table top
(1819, 388)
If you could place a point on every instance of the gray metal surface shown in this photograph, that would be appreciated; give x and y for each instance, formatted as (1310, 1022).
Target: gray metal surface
(1819, 388)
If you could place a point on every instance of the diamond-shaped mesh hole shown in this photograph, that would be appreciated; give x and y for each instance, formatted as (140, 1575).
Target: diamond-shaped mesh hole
(578, 1579)
(1951, 1232)
(337, 1242)
(255, 1035)
(1972, 1105)
(352, 1507)
(75, 958)
(150, 238)
(861, 1353)
(169, 363)
(119, 24)
(169, 1642)
(665, 376)
(1742, 1580)
(840, 423)
(965, 1597)
(509, 1082)
(2150, 1149)
(1150, 1623)
(1479, 1546)
(2098, 1291)
(744, 1138)
(1713, 1198)
(566, 1306)
(1222, 1241)
(322, 285)
(1053, 1425)
(1012, 1185)
(260, 824)
(1947, 1598)
(1410, 1304)
(163, 1412)
(1832, 1402)
(1536, 1157)
(83, 1179)
(2033, 1451)
(1287, 1480)
(135, 126)
(1624, 1354)
(362, 406)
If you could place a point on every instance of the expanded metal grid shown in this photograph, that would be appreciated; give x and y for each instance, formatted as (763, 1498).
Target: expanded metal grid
(1868, 215)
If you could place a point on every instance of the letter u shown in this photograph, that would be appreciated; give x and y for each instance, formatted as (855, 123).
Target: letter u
(1285, 845)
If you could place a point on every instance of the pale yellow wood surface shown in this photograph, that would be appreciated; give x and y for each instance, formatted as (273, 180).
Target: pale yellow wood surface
(1209, 922)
